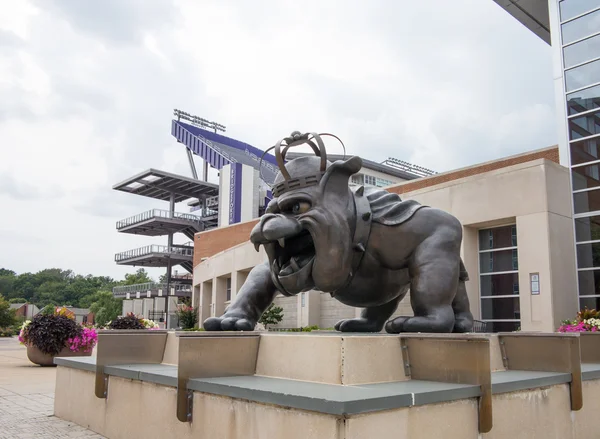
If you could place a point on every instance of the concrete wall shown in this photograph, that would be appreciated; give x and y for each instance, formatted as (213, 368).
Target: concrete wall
(290, 311)
(533, 194)
(333, 311)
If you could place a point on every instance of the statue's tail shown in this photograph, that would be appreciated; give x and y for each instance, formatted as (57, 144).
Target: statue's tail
(460, 305)
(463, 276)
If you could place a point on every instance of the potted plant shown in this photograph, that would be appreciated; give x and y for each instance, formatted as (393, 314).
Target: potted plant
(131, 321)
(56, 334)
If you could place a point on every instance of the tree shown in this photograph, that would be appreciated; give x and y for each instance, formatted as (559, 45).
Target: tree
(139, 277)
(272, 315)
(105, 307)
(7, 315)
(58, 287)
(7, 282)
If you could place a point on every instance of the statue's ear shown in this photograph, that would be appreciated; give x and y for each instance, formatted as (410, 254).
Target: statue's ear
(272, 207)
(337, 175)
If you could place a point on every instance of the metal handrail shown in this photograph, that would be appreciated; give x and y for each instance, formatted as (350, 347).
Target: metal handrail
(124, 289)
(157, 213)
(154, 248)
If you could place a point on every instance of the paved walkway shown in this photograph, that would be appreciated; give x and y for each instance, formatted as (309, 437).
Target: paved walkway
(27, 398)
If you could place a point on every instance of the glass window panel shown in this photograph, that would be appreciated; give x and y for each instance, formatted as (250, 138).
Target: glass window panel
(498, 237)
(504, 326)
(589, 303)
(588, 201)
(573, 8)
(585, 126)
(585, 151)
(506, 308)
(583, 76)
(582, 51)
(582, 27)
(357, 179)
(586, 177)
(499, 284)
(587, 229)
(589, 282)
(583, 100)
(588, 255)
(503, 260)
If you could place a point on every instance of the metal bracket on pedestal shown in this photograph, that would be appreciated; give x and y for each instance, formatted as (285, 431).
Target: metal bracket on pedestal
(405, 357)
(190, 405)
(545, 352)
(452, 358)
(117, 347)
(589, 344)
(212, 355)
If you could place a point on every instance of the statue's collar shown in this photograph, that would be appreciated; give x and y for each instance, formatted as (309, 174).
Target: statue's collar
(362, 230)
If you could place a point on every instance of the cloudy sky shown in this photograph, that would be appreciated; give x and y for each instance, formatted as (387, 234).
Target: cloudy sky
(87, 90)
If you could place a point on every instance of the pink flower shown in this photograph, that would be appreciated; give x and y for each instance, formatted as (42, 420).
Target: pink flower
(84, 342)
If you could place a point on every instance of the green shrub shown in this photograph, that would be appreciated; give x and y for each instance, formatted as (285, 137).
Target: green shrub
(7, 315)
(272, 315)
(307, 329)
(7, 332)
(188, 316)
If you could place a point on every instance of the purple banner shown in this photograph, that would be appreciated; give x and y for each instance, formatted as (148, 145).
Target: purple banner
(235, 193)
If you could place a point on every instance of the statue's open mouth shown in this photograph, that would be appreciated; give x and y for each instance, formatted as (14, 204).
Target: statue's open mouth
(292, 259)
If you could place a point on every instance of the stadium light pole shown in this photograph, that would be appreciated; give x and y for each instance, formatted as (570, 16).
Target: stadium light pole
(201, 123)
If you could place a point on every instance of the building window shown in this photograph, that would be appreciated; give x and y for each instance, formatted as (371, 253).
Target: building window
(578, 30)
(581, 27)
(382, 182)
(572, 8)
(370, 180)
(228, 289)
(587, 237)
(357, 179)
(499, 278)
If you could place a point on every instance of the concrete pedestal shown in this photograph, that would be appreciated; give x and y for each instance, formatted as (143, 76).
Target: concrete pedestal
(332, 385)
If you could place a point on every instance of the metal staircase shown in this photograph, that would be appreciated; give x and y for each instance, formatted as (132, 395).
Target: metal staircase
(158, 222)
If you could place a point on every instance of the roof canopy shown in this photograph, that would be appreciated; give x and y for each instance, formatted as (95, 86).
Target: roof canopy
(533, 14)
(160, 185)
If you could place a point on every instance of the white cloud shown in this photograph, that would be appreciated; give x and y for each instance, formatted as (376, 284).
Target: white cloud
(88, 90)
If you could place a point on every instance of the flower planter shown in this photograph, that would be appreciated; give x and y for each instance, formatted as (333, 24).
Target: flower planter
(38, 357)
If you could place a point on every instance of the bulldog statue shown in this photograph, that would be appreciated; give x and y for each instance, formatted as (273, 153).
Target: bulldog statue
(364, 246)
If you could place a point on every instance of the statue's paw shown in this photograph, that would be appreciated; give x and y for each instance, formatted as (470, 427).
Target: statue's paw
(225, 323)
(396, 325)
(356, 325)
(463, 324)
